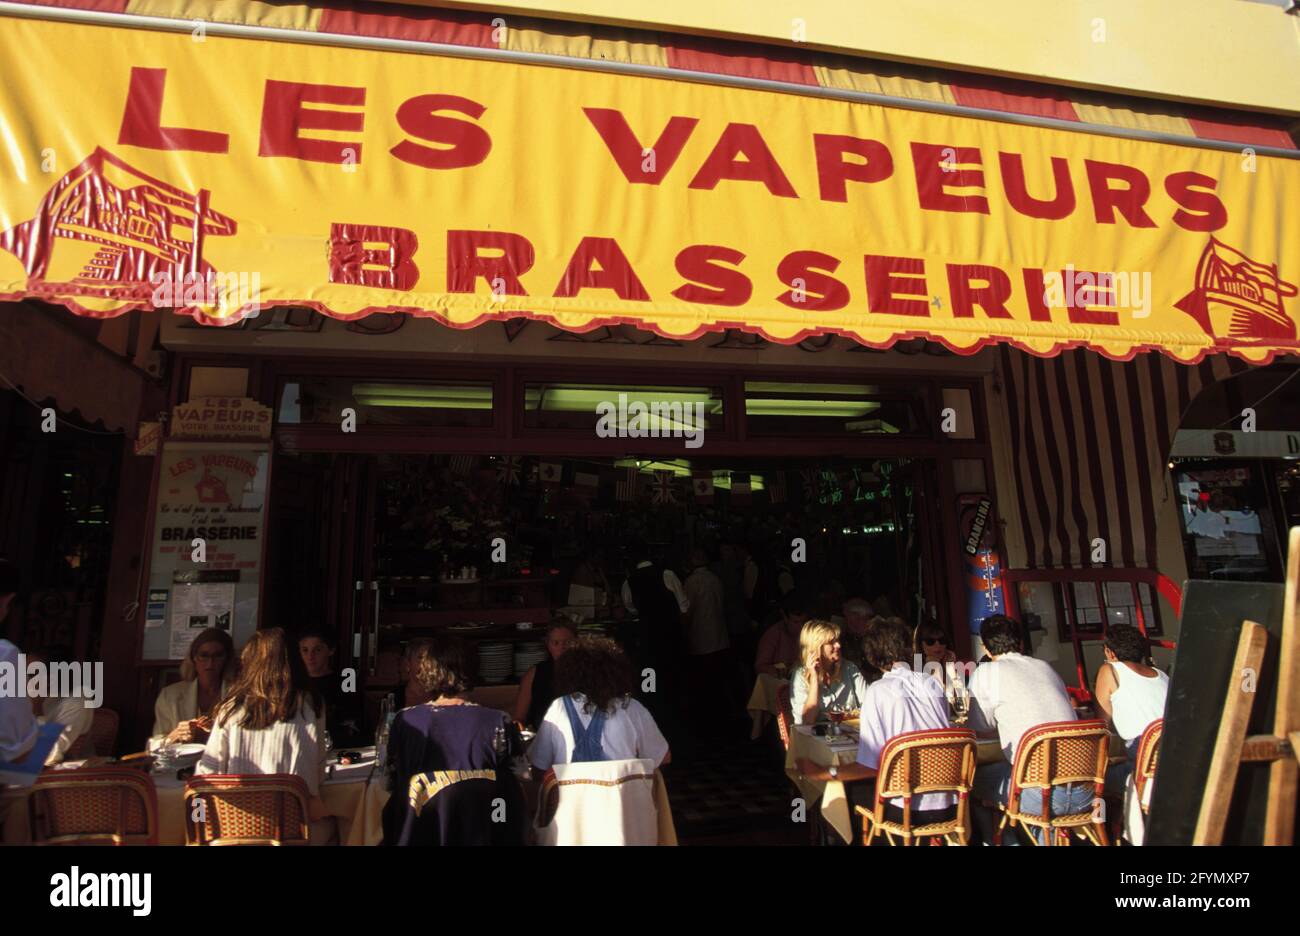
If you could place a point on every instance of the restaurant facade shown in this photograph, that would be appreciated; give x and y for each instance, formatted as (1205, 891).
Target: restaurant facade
(414, 318)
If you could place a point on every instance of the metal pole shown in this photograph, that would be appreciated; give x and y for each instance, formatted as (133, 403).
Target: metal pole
(280, 34)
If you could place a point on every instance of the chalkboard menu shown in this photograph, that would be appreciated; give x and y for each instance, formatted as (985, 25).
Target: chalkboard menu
(1213, 613)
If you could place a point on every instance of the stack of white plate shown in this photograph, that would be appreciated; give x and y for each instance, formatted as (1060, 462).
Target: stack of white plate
(495, 661)
(528, 655)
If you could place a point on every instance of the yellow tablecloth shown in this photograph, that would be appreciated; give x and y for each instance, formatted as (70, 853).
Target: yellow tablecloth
(763, 703)
(834, 801)
(344, 800)
(835, 806)
(366, 826)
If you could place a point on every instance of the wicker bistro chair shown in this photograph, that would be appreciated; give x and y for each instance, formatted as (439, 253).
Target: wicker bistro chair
(101, 739)
(1148, 756)
(917, 762)
(94, 806)
(785, 715)
(1052, 755)
(268, 809)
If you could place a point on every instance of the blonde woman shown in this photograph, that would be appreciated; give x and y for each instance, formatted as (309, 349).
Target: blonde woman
(183, 710)
(823, 679)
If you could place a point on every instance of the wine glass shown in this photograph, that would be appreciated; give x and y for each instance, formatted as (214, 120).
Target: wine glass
(835, 714)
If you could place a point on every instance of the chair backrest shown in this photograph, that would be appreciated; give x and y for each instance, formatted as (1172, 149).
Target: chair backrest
(938, 760)
(1062, 752)
(100, 740)
(1148, 756)
(94, 806)
(784, 714)
(103, 732)
(237, 809)
(599, 803)
(460, 807)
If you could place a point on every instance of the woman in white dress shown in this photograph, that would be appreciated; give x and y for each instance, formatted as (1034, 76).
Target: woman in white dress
(272, 721)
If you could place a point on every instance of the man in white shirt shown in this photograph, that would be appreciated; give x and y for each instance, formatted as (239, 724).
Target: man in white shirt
(1010, 695)
(67, 710)
(671, 582)
(17, 721)
(902, 701)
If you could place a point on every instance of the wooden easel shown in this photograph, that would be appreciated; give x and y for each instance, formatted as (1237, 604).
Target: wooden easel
(1282, 748)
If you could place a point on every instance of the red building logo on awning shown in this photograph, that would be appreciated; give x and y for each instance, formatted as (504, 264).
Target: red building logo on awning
(119, 233)
(1237, 298)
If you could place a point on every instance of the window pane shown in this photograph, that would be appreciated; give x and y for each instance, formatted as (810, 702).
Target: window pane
(1119, 593)
(1085, 595)
(625, 410)
(773, 408)
(321, 400)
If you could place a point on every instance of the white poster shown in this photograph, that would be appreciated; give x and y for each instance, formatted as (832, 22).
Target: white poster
(209, 524)
(196, 608)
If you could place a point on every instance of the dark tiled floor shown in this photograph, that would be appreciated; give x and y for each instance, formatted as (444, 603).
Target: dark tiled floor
(733, 792)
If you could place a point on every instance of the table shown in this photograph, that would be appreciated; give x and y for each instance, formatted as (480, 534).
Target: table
(835, 808)
(763, 702)
(989, 750)
(356, 802)
(344, 799)
(366, 827)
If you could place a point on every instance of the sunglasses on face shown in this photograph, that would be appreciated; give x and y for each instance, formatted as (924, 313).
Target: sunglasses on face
(930, 641)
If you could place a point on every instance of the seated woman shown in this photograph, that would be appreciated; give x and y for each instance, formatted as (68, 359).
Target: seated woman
(413, 692)
(932, 655)
(823, 680)
(448, 757)
(537, 688)
(595, 718)
(272, 721)
(342, 708)
(183, 711)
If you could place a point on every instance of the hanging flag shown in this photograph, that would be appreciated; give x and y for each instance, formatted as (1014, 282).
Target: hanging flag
(510, 470)
(702, 485)
(663, 492)
(586, 483)
(740, 490)
(776, 487)
(808, 478)
(551, 473)
(627, 487)
(462, 464)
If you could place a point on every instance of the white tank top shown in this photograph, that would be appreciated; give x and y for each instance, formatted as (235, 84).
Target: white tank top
(1137, 700)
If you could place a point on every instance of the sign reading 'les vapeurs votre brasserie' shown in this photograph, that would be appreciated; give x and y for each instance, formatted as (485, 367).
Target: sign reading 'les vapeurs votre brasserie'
(220, 418)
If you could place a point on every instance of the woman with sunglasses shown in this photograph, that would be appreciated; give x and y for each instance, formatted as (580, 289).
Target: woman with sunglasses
(932, 645)
(933, 654)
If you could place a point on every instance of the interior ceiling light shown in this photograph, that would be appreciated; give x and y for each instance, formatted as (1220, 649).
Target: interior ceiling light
(838, 409)
(427, 396)
(570, 399)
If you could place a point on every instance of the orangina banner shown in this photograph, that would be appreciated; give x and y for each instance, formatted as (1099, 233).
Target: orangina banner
(146, 169)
